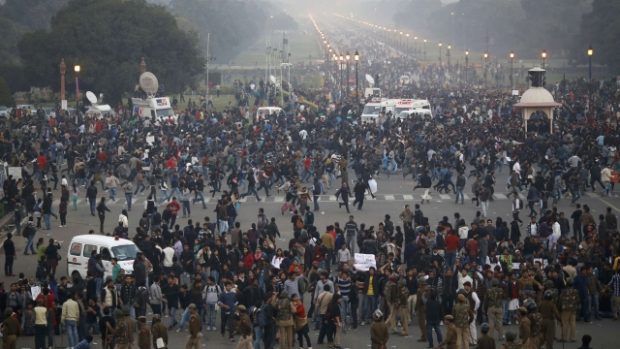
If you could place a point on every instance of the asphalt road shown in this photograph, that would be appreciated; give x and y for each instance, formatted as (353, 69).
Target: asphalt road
(393, 194)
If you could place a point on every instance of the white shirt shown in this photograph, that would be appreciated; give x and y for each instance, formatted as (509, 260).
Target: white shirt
(517, 167)
(556, 231)
(463, 232)
(123, 219)
(533, 229)
(474, 296)
(464, 279)
(168, 255)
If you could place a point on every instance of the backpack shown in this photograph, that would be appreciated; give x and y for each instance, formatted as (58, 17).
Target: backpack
(568, 299)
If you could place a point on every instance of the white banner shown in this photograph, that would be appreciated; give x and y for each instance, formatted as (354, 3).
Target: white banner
(364, 261)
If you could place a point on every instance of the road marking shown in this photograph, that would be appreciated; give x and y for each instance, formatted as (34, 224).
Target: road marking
(444, 196)
(408, 197)
(465, 196)
(278, 199)
(241, 199)
(500, 196)
(389, 197)
(609, 204)
(332, 198)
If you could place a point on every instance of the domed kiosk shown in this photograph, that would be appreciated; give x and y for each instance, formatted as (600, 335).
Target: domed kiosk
(537, 103)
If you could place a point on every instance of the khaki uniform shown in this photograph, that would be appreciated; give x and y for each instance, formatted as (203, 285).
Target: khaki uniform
(512, 346)
(10, 332)
(536, 330)
(121, 334)
(144, 337)
(525, 330)
(549, 313)
(403, 297)
(495, 311)
(462, 318)
(569, 301)
(195, 328)
(159, 330)
(379, 335)
(420, 311)
(244, 328)
(391, 298)
(451, 337)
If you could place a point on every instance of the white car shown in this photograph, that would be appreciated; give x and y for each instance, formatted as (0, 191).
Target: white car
(82, 246)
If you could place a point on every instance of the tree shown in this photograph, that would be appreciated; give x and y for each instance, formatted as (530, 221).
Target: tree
(601, 29)
(5, 93)
(107, 38)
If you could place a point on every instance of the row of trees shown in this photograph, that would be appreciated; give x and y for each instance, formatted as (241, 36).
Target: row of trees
(565, 28)
(107, 38)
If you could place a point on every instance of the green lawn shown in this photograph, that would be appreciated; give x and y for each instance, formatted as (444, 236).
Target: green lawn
(303, 44)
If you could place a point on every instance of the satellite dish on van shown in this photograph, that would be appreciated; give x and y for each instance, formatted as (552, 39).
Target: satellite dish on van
(370, 80)
(92, 98)
(149, 83)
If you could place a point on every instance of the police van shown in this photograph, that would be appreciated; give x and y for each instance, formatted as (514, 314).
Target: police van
(82, 246)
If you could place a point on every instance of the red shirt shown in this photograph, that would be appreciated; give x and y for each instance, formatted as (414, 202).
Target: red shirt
(452, 243)
(174, 207)
(472, 247)
(41, 162)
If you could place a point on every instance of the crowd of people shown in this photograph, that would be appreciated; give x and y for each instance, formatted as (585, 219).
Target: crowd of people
(470, 275)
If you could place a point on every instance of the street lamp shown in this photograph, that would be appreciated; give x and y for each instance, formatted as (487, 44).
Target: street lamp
(590, 54)
(425, 48)
(407, 48)
(485, 56)
(466, 64)
(63, 71)
(543, 55)
(511, 55)
(448, 54)
(76, 70)
(356, 57)
(340, 66)
(348, 58)
(440, 46)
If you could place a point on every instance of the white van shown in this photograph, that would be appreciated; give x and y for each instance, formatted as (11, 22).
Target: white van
(372, 111)
(157, 108)
(263, 112)
(109, 247)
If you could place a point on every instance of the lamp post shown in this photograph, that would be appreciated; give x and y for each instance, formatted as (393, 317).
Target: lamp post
(543, 55)
(485, 56)
(466, 64)
(424, 47)
(590, 54)
(76, 70)
(511, 55)
(341, 62)
(63, 71)
(356, 57)
(348, 59)
(407, 47)
(448, 54)
(440, 46)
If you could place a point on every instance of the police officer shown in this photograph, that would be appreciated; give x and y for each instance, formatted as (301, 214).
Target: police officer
(511, 343)
(451, 333)
(549, 313)
(569, 301)
(536, 323)
(122, 334)
(420, 307)
(525, 328)
(144, 334)
(159, 330)
(495, 310)
(379, 334)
